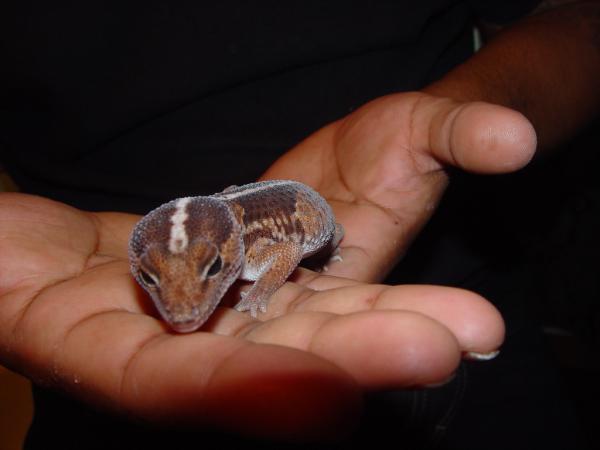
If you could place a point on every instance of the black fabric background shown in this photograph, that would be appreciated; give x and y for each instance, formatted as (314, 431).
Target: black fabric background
(120, 105)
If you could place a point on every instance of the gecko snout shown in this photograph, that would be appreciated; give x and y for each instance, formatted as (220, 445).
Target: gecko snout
(185, 318)
(186, 325)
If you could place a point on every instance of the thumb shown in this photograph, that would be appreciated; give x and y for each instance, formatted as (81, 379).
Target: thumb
(476, 136)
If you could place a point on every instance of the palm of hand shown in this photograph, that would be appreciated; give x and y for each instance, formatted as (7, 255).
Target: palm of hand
(382, 168)
(71, 317)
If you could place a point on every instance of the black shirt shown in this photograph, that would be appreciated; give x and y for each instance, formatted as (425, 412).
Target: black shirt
(121, 104)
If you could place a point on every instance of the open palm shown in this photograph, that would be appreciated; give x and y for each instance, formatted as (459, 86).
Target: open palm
(72, 318)
(383, 168)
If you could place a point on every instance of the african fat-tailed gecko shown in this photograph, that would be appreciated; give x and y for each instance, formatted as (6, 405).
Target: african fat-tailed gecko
(188, 252)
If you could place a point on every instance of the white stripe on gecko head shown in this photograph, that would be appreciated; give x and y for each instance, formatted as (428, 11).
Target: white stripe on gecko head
(246, 191)
(178, 241)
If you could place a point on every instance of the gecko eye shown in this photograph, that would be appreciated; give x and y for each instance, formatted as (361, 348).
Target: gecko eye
(215, 268)
(149, 280)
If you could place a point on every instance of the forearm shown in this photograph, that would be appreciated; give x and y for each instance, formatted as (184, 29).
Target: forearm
(546, 66)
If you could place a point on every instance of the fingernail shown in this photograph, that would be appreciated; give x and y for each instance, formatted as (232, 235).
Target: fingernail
(476, 356)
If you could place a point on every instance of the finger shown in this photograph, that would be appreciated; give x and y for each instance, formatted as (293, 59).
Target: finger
(380, 349)
(475, 323)
(477, 137)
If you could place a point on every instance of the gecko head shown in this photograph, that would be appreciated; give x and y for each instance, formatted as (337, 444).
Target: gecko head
(186, 254)
(187, 286)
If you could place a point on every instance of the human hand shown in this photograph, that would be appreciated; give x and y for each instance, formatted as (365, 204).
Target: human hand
(382, 168)
(72, 318)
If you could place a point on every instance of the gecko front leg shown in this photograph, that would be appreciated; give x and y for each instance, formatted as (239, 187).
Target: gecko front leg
(270, 265)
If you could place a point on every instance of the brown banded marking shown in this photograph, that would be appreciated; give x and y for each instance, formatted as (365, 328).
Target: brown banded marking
(278, 229)
(312, 213)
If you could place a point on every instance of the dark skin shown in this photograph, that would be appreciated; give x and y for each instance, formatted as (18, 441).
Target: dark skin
(72, 318)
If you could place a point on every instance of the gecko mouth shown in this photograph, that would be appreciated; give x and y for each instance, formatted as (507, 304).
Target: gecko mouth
(182, 322)
(186, 327)
(188, 320)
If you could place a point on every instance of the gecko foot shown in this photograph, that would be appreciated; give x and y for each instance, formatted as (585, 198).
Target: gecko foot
(335, 256)
(249, 303)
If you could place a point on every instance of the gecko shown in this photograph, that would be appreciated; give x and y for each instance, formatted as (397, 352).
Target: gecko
(188, 252)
